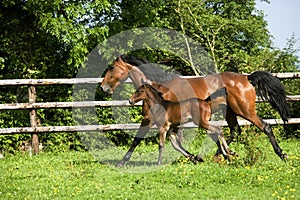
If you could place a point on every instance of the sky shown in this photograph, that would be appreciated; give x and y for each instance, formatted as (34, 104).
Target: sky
(283, 17)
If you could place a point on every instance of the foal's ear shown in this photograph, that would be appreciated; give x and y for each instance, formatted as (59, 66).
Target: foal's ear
(142, 81)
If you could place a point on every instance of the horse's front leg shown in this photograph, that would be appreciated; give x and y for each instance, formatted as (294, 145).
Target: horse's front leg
(162, 137)
(233, 125)
(143, 130)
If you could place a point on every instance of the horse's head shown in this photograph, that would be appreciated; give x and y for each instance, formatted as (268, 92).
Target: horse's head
(116, 73)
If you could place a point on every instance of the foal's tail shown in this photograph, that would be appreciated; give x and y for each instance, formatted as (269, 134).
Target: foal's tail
(269, 88)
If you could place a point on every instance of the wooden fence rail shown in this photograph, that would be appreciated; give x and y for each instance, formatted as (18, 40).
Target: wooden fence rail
(133, 126)
(32, 105)
(72, 81)
(82, 104)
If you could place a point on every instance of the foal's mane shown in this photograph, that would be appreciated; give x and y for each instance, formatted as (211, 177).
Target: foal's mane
(156, 93)
(151, 70)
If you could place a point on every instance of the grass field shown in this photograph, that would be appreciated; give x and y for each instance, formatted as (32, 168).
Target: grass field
(79, 175)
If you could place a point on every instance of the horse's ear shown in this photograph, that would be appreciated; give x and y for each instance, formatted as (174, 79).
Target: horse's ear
(120, 59)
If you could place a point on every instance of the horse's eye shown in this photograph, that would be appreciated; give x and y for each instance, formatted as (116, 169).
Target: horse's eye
(111, 68)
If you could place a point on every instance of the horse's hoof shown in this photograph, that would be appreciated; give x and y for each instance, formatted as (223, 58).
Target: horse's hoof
(193, 159)
(284, 157)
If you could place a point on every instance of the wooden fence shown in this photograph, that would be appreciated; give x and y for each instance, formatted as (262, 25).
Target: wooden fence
(32, 105)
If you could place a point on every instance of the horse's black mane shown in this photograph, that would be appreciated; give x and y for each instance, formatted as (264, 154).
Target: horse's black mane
(151, 70)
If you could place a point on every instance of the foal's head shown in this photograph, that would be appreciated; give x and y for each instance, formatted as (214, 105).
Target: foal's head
(146, 93)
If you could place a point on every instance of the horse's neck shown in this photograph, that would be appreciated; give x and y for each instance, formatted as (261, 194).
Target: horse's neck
(136, 75)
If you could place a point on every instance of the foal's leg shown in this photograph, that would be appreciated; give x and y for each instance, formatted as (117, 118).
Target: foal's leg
(215, 132)
(233, 125)
(179, 135)
(217, 135)
(176, 142)
(162, 137)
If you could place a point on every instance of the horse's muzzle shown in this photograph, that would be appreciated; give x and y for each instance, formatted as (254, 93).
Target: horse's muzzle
(106, 89)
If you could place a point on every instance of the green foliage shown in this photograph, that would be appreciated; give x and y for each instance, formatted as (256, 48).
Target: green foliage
(46, 39)
(51, 39)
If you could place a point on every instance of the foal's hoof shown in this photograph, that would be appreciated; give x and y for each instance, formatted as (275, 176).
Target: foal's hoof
(196, 159)
(231, 156)
(193, 159)
(217, 158)
(120, 164)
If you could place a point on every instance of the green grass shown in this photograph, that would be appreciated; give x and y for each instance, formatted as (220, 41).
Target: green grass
(78, 175)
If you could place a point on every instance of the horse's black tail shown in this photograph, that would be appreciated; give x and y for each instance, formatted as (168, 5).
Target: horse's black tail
(269, 88)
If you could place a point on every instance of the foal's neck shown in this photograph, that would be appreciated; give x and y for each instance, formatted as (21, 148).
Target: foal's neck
(154, 97)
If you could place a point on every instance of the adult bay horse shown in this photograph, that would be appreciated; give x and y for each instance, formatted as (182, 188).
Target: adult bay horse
(169, 114)
(240, 96)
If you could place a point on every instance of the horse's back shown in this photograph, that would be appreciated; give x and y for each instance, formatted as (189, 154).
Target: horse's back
(181, 89)
(231, 79)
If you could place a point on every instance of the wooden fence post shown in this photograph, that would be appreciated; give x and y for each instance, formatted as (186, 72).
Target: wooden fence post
(33, 120)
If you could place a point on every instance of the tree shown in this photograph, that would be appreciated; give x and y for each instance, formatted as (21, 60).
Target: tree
(46, 39)
(233, 32)
(51, 39)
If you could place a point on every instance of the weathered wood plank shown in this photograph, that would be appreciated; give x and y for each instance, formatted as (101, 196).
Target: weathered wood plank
(70, 81)
(50, 81)
(83, 104)
(33, 119)
(73, 81)
(287, 75)
(87, 128)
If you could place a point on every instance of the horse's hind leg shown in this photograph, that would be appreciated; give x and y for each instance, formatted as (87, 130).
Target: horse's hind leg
(266, 128)
(233, 124)
(250, 115)
(215, 132)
